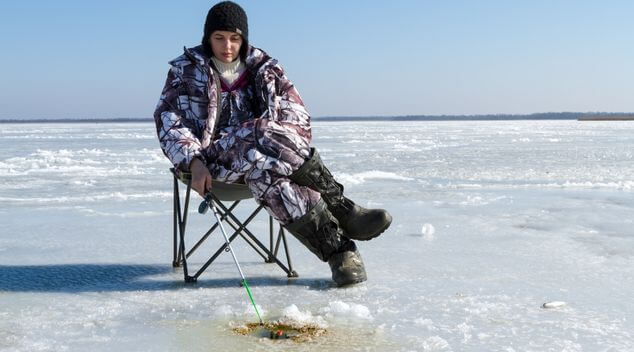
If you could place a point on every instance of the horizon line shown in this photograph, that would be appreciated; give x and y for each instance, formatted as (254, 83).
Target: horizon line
(437, 117)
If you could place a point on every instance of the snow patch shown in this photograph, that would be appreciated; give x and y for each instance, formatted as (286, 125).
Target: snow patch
(348, 310)
(129, 214)
(249, 312)
(361, 177)
(435, 343)
(116, 196)
(291, 315)
(224, 311)
(426, 323)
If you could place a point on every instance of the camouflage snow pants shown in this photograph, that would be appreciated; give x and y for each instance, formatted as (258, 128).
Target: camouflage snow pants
(262, 153)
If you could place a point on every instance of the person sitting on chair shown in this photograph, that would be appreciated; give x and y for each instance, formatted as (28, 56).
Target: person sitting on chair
(228, 112)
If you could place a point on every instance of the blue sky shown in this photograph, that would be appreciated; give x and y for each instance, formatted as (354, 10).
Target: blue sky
(108, 59)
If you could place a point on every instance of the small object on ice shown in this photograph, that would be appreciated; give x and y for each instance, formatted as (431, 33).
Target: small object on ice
(553, 304)
(279, 334)
(428, 231)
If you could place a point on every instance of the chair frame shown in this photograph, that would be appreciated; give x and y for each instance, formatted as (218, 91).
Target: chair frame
(240, 230)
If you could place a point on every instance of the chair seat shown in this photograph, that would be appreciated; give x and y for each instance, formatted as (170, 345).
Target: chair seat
(223, 190)
(230, 191)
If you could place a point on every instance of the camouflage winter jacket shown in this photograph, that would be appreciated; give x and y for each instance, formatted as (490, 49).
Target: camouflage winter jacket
(189, 108)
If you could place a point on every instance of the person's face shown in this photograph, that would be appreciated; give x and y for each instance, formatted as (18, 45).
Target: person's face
(225, 45)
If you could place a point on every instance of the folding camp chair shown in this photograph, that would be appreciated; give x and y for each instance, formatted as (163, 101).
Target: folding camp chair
(223, 192)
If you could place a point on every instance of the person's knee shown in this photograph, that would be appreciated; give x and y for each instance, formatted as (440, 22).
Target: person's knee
(281, 135)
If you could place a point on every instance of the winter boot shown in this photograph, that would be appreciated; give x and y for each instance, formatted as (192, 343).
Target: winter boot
(319, 231)
(358, 223)
(347, 266)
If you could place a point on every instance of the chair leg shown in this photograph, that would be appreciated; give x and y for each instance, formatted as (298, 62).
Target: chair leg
(182, 222)
(281, 236)
(270, 258)
(176, 225)
(291, 273)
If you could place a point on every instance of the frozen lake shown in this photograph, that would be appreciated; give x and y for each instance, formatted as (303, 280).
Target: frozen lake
(491, 220)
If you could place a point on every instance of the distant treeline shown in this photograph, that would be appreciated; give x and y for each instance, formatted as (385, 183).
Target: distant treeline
(489, 117)
(81, 120)
(537, 116)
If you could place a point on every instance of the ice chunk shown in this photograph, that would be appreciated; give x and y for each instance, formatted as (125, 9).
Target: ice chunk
(291, 315)
(361, 177)
(428, 232)
(342, 309)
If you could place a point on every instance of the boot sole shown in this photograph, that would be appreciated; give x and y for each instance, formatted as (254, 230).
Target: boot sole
(376, 234)
(353, 282)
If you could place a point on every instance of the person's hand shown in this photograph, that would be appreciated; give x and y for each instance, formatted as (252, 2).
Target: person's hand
(201, 177)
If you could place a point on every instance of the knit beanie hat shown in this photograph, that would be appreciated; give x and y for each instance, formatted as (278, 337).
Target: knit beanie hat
(226, 16)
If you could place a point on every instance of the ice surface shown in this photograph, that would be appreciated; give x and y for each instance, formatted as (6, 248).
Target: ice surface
(521, 213)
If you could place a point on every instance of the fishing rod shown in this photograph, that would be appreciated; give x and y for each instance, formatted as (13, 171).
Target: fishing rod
(209, 203)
